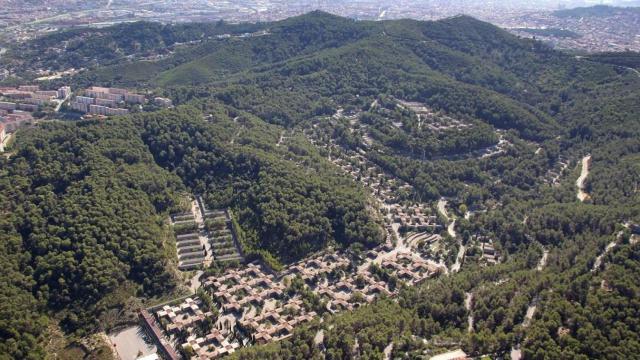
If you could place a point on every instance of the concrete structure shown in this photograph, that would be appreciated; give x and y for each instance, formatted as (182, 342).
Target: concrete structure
(451, 355)
(104, 101)
(157, 336)
(164, 102)
(17, 94)
(29, 107)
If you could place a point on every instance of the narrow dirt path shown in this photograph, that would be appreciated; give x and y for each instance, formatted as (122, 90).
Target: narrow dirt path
(467, 305)
(543, 260)
(387, 351)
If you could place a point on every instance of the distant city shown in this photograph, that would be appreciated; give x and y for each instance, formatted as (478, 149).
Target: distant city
(616, 30)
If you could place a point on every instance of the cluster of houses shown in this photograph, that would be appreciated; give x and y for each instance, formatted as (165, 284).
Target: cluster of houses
(258, 306)
(105, 101)
(214, 345)
(431, 119)
(18, 103)
(406, 219)
(488, 254)
(111, 101)
(30, 97)
(407, 216)
(182, 316)
(415, 217)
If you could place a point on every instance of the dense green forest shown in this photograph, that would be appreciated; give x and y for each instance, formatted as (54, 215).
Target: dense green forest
(85, 223)
(628, 59)
(81, 226)
(505, 124)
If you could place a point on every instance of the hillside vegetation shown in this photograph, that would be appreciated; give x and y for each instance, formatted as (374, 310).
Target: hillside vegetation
(455, 108)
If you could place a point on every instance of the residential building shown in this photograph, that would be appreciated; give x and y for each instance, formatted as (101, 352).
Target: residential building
(85, 100)
(103, 110)
(134, 98)
(29, 88)
(106, 102)
(7, 105)
(48, 93)
(78, 106)
(30, 107)
(63, 92)
(15, 120)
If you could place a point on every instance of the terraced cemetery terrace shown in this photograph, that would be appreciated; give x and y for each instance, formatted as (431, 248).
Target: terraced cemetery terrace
(432, 119)
(203, 236)
(222, 239)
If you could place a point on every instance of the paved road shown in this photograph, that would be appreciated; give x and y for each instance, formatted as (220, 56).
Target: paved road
(633, 70)
(461, 251)
(194, 283)
(586, 162)
(451, 229)
(62, 102)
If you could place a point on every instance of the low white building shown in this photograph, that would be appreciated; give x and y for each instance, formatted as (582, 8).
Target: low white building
(3, 134)
(451, 355)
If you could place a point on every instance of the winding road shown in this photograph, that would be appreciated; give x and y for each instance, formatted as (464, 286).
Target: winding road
(584, 173)
(598, 262)
(451, 229)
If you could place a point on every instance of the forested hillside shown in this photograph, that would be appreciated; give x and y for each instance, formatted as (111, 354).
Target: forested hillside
(290, 202)
(82, 206)
(80, 48)
(454, 113)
